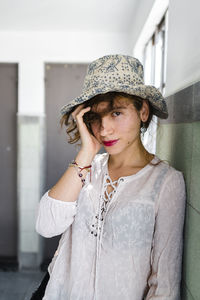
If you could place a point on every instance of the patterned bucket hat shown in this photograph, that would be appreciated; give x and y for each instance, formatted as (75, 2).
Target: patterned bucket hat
(120, 73)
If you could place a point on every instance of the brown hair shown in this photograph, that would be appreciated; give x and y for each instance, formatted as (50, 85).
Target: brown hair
(90, 116)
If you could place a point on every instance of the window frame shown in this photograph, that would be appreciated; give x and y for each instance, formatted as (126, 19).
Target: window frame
(161, 29)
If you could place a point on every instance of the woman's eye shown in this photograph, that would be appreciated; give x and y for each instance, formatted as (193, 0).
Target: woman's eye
(117, 113)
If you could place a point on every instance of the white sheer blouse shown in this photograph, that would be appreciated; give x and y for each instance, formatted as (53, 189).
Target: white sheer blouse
(122, 245)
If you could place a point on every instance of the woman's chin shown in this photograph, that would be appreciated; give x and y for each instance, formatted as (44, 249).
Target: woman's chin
(112, 150)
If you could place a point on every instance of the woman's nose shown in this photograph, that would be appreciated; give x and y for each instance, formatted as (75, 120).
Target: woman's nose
(106, 127)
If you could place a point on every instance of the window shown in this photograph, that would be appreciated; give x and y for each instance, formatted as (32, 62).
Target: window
(155, 56)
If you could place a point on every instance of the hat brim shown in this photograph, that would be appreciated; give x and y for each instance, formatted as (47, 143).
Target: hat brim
(148, 92)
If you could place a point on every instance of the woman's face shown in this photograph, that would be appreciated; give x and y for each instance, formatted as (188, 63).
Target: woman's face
(118, 129)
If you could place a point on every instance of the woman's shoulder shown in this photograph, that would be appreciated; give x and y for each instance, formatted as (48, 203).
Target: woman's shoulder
(172, 174)
(166, 164)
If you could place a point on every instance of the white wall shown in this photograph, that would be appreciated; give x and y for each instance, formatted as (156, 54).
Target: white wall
(32, 49)
(183, 55)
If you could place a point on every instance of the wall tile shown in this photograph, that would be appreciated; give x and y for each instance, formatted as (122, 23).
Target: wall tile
(196, 140)
(194, 185)
(30, 172)
(29, 241)
(196, 107)
(184, 106)
(29, 199)
(191, 255)
(185, 293)
(195, 168)
(27, 220)
(164, 141)
(180, 107)
(174, 144)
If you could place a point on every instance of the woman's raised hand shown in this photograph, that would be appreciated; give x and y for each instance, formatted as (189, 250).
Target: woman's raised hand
(89, 143)
(69, 185)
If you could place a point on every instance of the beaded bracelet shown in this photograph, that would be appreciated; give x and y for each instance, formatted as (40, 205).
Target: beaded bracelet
(77, 167)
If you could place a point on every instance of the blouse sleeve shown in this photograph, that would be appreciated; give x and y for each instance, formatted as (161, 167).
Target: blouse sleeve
(54, 216)
(166, 254)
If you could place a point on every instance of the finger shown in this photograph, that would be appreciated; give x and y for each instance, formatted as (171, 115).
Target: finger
(81, 113)
(77, 110)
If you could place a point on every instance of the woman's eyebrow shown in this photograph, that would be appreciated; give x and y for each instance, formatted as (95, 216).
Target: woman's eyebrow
(119, 107)
(113, 109)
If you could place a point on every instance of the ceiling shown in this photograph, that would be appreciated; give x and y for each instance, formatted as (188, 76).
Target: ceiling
(67, 15)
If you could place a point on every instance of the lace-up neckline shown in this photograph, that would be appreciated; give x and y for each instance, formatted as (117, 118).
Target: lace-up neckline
(112, 184)
(109, 189)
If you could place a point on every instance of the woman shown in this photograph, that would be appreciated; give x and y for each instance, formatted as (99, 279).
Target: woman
(120, 213)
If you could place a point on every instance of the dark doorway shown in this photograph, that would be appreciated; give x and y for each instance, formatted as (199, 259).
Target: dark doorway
(8, 165)
(63, 82)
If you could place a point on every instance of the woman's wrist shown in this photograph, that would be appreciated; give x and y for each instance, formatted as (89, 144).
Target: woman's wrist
(82, 163)
(84, 158)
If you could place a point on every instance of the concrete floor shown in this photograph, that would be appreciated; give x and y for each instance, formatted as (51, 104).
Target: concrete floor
(19, 285)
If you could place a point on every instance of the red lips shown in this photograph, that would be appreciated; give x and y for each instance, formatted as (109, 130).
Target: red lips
(110, 143)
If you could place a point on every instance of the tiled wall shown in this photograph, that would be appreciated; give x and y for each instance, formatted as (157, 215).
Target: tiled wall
(179, 142)
(29, 184)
